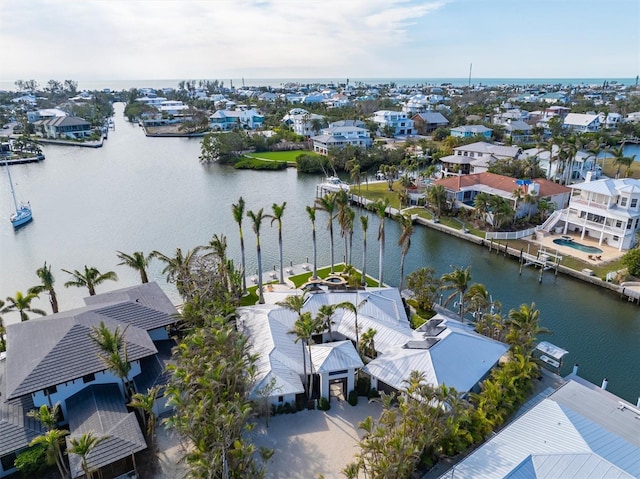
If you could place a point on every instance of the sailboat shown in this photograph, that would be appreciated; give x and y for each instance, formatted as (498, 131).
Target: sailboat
(23, 212)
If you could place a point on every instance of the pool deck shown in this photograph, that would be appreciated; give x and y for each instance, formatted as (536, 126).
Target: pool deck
(608, 253)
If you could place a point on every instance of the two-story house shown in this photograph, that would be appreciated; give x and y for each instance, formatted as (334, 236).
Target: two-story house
(476, 157)
(427, 122)
(65, 127)
(53, 360)
(224, 120)
(606, 209)
(396, 121)
(340, 134)
(581, 122)
(302, 122)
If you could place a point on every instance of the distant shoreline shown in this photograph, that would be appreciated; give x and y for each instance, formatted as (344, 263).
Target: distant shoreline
(118, 85)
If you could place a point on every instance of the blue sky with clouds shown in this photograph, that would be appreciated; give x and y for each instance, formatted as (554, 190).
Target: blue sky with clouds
(148, 39)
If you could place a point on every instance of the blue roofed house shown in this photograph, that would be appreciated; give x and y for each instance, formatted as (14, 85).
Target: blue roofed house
(53, 359)
(469, 131)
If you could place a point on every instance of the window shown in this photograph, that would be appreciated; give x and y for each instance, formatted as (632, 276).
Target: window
(634, 202)
(280, 398)
(623, 201)
(88, 378)
(7, 461)
(51, 390)
(618, 224)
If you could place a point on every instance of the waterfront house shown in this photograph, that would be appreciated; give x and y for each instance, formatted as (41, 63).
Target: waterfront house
(462, 190)
(53, 359)
(476, 157)
(340, 134)
(225, 120)
(65, 128)
(397, 122)
(607, 210)
(444, 350)
(302, 122)
(469, 131)
(428, 121)
(581, 122)
(578, 430)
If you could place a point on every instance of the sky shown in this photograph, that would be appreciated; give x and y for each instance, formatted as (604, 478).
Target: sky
(220, 39)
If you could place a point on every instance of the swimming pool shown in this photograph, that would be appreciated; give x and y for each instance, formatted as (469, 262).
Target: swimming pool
(579, 246)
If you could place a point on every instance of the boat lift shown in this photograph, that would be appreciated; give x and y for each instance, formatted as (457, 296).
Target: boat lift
(550, 355)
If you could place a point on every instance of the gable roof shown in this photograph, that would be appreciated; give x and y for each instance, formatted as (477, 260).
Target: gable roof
(434, 117)
(62, 121)
(148, 294)
(609, 186)
(591, 433)
(490, 148)
(334, 356)
(475, 129)
(99, 408)
(64, 349)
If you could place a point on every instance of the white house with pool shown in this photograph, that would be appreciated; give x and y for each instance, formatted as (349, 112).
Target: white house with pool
(607, 210)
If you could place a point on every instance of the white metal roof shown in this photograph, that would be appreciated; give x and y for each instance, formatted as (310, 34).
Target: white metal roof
(334, 356)
(573, 423)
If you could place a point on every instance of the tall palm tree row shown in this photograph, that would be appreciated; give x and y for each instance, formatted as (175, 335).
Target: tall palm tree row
(278, 212)
(238, 215)
(328, 203)
(404, 241)
(256, 224)
(380, 208)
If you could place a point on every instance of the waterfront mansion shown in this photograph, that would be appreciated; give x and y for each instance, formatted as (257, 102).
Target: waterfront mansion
(607, 210)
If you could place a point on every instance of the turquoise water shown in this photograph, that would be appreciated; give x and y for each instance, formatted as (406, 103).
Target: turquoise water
(579, 246)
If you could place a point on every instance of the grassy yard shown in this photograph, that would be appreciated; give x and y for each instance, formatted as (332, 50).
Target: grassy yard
(287, 156)
(300, 279)
(610, 168)
(379, 191)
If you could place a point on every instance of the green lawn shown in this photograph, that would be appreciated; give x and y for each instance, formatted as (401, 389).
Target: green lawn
(300, 279)
(379, 191)
(288, 156)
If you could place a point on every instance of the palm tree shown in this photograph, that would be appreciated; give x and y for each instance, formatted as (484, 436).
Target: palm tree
(90, 279)
(278, 212)
(138, 261)
(47, 281)
(238, 214)
(364, 222)
(47, 416)
(516, 194)
(545, 206)
(22, 303)
(380, 208)
(481, 204)
(458, 280)
(82, 446)
(342, 200)
(145, 403)
(325, 318)
(52, 441)
(367, 345)
(113, 349)
(524, 328)
(529, 200)
(328, 203)
(304, 328)
(404, 241)
(178, 268)
(354, 309)
(256, 219)
(437, 196)
(311, 211)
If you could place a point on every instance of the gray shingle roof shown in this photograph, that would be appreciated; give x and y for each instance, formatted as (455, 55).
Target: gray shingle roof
(16, 428)
(63, 350)
(148, 294)
(100, 408)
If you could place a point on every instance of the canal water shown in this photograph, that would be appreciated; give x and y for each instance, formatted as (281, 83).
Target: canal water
(141, 194)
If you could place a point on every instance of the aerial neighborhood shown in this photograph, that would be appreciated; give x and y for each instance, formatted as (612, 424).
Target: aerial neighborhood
(452, 385)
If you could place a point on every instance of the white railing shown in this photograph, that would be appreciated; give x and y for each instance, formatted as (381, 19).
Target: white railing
(552, 220)
(506, 235)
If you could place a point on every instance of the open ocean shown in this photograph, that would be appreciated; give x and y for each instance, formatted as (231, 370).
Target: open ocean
(118, 85)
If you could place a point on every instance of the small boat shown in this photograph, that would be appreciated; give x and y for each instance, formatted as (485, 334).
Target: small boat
(334, 184)
(22, 213)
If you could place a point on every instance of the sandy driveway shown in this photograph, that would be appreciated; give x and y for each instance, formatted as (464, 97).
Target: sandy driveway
(310, 443)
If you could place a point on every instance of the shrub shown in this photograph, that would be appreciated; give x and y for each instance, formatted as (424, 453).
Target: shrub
(32, 461)
(631, 260)
(353, 398)
(280, 409)
(373, 393)
(287, 409)
(324, 404)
